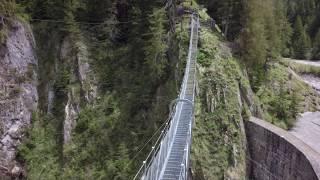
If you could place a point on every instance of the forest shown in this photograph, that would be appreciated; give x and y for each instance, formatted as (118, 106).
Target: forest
(135, 49)
(269, 29)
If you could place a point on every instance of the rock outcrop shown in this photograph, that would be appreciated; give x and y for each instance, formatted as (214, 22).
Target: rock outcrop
(18, 91)
(76, 54)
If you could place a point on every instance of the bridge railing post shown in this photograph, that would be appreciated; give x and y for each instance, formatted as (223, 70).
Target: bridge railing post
(153, 166)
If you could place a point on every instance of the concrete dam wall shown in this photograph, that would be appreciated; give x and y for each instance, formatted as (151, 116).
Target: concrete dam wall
(275, 154)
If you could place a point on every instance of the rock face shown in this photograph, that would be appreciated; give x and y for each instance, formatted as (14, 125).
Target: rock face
(76, 54)
(18, 91)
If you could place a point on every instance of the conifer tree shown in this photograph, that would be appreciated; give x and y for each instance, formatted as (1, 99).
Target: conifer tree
(272, 30)
(301, 41)
(284, 29)
(316, 46)
(155, 47)
(253, 41)
(228, 14)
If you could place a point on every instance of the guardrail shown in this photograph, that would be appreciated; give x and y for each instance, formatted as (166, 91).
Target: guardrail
(153, 168)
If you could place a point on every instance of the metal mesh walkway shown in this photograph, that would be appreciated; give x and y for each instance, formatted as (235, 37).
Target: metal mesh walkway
(169, 160)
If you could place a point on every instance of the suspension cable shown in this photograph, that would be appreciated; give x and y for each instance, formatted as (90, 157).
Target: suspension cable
(163, 126)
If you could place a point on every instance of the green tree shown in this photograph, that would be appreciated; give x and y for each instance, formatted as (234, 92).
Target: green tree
(228, 14)
(284, 29)
(156, 46)
(40, 149)
(253, 41)
(316, 46)
(301, 40)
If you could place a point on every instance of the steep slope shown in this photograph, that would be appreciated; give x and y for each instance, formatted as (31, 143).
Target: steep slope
(218, 137)
(18, 91)
(225, 100)
(100, 97)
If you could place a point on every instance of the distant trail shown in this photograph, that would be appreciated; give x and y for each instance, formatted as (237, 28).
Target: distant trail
(306, 62)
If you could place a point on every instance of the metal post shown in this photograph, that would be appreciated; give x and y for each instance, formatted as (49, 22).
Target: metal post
(154, 166)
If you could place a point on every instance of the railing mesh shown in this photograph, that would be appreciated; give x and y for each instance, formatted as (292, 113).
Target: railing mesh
(155, 165)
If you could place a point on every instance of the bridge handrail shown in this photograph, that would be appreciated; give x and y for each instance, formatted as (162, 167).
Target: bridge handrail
(152, 166)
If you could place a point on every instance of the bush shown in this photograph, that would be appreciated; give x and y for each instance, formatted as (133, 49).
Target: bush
(39, 151)
(204, 58)
(8, 8)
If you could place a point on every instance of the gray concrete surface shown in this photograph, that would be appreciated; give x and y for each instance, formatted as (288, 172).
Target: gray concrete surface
(276, 154)
(307, 128)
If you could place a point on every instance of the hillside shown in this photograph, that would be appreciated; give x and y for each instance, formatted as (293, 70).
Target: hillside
(85, 85)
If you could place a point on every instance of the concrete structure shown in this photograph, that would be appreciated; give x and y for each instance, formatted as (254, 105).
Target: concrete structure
(274, 153)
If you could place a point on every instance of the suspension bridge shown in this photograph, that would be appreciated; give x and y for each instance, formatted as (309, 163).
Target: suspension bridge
(169, 158)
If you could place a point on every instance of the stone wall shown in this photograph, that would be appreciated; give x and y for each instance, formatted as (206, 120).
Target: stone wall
(273, 153)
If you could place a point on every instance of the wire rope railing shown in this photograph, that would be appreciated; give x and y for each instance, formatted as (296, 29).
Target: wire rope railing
(159, 164)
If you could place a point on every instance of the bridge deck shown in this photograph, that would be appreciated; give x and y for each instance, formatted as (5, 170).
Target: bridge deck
(175, 159)
(169, 159)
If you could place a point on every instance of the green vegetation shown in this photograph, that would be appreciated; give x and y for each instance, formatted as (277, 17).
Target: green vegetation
(296, 21)
(263, 38)
(3, 35)
(217, 149)
(40, 150)
(133, 59)
(281, 96)
(271, 29)
(301, 41)
(95, 152)
(316, 50)
(9, 8)
(136, 51)
(304, 17)
(228, 14)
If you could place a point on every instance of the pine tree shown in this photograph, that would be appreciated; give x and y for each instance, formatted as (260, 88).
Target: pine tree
(301, 41)
(228, 14)
(316, 46)
(272, 30)
(284, 29)
(155, 46)
(254, 42)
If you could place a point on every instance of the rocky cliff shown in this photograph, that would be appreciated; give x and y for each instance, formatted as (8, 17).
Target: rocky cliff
(27, 68)
(18, 92)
